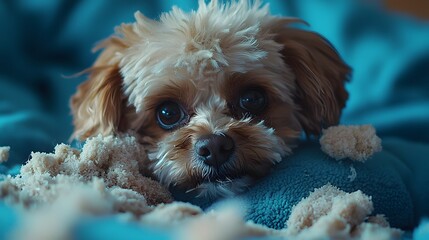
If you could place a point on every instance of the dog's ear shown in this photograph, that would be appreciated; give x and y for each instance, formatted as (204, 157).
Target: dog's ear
(97, 106)
(320, 73)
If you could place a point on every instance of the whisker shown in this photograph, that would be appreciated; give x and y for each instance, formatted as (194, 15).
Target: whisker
(191, 190)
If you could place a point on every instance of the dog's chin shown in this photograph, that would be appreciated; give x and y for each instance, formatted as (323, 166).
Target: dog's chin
(223, 181)
(220, 176)
(222, 186)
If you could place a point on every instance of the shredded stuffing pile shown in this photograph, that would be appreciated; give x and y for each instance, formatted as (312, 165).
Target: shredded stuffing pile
(110, 166)
(106, 178)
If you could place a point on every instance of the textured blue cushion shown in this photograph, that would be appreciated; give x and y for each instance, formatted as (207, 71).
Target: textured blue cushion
(397, 183)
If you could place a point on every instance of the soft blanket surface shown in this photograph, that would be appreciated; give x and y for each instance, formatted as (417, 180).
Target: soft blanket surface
(389, 54)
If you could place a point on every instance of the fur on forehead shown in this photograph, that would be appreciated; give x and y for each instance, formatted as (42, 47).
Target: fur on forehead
(217, 39)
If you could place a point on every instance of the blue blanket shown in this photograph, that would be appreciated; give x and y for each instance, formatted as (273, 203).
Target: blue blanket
(43, 41)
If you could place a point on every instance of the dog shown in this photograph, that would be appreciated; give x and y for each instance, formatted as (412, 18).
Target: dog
(217, 96)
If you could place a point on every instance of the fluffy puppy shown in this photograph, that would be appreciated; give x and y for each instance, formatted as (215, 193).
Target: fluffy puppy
(217, 96)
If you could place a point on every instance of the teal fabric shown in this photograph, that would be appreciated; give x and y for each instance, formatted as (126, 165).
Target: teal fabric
(44, 41)
(113, 228)
(8, 220)
(422, 232)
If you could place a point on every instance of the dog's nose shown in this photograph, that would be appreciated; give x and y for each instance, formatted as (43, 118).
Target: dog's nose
(214, 150)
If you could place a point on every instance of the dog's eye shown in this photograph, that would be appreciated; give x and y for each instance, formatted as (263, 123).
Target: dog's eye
(170, 115)
(253, 101)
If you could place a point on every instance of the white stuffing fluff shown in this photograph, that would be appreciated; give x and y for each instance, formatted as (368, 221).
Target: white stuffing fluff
(171, 214)
(353, 174)
(330, 213)
(55, 220)
(118, 162)
(4, 154)
(355, 142)
(224, 224)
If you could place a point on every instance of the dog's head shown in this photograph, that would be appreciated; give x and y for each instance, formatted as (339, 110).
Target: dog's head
(217, 96)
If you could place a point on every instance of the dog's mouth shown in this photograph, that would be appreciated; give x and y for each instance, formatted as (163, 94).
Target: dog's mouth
(222, 185)
(220, 177)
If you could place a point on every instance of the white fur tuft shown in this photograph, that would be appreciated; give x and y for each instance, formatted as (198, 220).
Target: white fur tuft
(196, 45)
